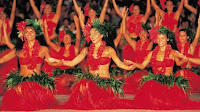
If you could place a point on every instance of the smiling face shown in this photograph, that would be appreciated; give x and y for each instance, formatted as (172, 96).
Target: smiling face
(162, 40)
(136, 10)
(95, 36)
(169, 6)
(29, 33)
(143, 35)
(47, 9)
(183, 37)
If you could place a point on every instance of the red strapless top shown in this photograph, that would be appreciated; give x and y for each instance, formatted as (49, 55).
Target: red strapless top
(27, 61)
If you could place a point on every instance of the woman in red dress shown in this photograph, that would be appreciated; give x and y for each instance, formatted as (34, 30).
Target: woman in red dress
(27, 89)
(6, 25)
(169, 18)
(141, 49)
(66, 52)
(48, 15)
(88, 93)
(162, 90)
(188, 49)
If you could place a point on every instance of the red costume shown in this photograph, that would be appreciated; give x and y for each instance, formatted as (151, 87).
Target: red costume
(50, 24)
(193, 78)
(86, 94)
(154, 95)
(132, 82)
(169, 21)
(63, 82)
(29, 95)
(8, 29)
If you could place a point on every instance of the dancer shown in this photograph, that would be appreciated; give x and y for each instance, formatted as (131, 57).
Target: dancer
(29, 88)
(48, 15)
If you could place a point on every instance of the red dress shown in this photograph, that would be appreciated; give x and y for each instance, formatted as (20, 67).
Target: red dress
(63, 82)
(193, 78)
(156, 96)
(132, 82)
(169, 21)
(6, 68)
(50, 24)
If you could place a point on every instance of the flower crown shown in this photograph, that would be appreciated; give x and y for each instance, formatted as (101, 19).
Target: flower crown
(33, 22)
(161, 30)
(103, 28)
(92, 6)
(53, 7)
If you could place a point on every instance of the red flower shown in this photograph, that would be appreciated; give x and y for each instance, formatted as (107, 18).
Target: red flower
(198, 2)
(131, 8)
(162, 3)
(153, 33)
(61, 36)
(42, 6)
(86, 9)
(22, 25)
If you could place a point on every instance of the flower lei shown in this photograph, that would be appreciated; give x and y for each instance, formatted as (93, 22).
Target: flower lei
(166, 58)
(144, 47)
(31, 59)
(94, 63)
(186, 48)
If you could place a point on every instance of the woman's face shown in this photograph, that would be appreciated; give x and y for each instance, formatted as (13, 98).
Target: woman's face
(183, 37)
(162, 40)
(67, 39)
(2, 15)
(136, 10)
(95, 36)
(29, 33)
(47, 9)
(143, 35)
(92, 13)
(169, 6)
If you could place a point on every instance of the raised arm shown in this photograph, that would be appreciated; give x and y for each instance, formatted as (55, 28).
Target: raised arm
(47, 38)
(189, 7)
(77, 59)
(117, 61)
(126, 36)
(78, 34)
(12, 15)
(157, 8)
(179, 10)
(8, 56)
(117, 9)
(7, 39)
(103, 12)
(78, 10)
(118, 38)
(58, 11)
(147, 13)
(196, 39)
(35, 9)
(81, 18)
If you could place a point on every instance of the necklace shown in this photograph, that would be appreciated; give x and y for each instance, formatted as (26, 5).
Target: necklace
(93, 62)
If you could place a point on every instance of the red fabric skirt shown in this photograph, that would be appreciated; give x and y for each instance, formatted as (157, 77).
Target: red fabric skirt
(132, 83)
(194, 79)
(6, 68)
(86, 95)
(28, 96)
(153, 95)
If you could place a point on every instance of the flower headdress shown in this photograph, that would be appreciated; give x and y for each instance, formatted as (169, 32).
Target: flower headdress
(161, 30)
(62, 34)
(92, 6)
(22, 25)
(102, 28)
(198, 2)
(131, 8)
